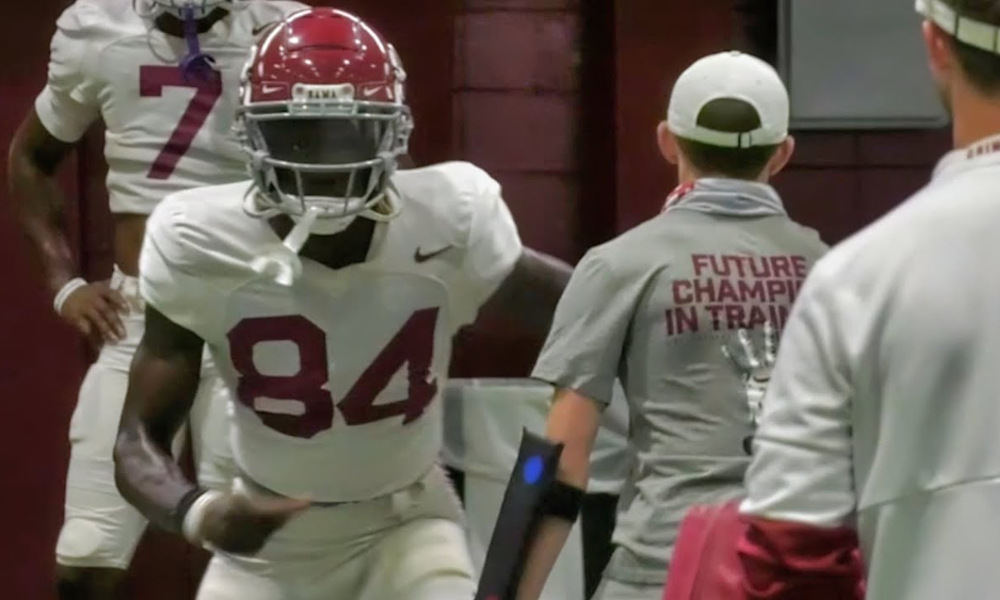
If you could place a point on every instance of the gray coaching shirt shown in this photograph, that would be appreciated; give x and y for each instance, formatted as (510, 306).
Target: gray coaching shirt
(654, 308)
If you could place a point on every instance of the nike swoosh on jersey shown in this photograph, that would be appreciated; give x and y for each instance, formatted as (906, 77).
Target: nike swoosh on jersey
(256, 30)
(420, 257)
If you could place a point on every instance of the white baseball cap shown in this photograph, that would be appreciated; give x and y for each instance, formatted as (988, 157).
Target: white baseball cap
(736, 76)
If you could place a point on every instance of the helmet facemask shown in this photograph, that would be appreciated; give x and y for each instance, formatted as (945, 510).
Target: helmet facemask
(196, 65)
(324, 152)
(198, 8)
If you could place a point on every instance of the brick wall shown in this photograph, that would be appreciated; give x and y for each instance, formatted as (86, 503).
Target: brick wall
(516, 95)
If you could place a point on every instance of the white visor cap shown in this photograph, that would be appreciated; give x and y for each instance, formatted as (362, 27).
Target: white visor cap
(968, 31)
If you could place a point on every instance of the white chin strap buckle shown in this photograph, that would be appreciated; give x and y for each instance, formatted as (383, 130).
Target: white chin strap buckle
(283, 264)
(279, 267)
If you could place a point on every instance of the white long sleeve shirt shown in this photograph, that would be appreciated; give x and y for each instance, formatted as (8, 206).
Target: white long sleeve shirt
(884, 408)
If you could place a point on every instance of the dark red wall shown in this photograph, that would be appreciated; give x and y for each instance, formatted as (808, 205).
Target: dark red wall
(517, 109)
(836, 182)
(558, 99)
(40, 361)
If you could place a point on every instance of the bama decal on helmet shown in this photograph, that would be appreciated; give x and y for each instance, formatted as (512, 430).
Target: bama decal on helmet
(304, 92)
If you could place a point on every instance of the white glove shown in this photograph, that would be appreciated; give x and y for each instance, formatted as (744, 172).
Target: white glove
(754, 368)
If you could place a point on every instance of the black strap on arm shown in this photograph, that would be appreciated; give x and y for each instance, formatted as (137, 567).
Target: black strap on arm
(532, 493)
(563, 501)
(184, 505)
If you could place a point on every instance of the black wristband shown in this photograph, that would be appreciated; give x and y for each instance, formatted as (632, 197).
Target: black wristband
(563, 501)
(184, 505)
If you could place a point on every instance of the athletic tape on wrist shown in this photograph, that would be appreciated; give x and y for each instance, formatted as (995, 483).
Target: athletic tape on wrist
(64, 292)
(195, 516)
(183, 505)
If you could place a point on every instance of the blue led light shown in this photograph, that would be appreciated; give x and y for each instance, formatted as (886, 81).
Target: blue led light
(533, 468)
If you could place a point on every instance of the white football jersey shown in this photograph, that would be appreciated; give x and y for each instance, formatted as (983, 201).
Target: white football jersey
(337, 377)
(163, 133)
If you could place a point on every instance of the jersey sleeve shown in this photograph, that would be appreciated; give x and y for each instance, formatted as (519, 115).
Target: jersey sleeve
(287, 7)
(169, 278)
(493, 245)
(801, 468)
(258, 18)
(587, 338)
(274, 11)
(68, 104)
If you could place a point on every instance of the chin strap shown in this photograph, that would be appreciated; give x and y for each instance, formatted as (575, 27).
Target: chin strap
(197, 64)
(283, 263)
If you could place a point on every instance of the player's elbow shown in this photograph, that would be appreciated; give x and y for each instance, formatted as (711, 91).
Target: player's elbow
(32, 161)
(34, 155)
(21, 170)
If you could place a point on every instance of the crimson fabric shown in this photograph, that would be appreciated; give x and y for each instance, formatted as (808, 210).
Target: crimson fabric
(722, 555)
(794, 561)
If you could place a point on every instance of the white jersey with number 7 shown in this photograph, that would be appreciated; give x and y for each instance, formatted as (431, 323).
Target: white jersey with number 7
(337, 377)
(164, 133)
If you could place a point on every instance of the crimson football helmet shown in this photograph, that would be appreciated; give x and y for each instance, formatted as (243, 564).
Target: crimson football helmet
(324, 121)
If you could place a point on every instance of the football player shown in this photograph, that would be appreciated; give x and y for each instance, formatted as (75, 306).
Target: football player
(163, 75)
(328, 289)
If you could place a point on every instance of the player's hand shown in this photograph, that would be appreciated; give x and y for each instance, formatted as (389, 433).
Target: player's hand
(242, 525)
(754, 367)
(95, 310)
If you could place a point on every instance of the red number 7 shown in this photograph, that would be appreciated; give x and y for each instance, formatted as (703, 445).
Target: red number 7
(152, 80)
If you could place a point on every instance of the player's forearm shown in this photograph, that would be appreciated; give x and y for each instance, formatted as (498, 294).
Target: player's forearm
(159, 398)
(39, 206)
(50, 247)
(148, 477)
